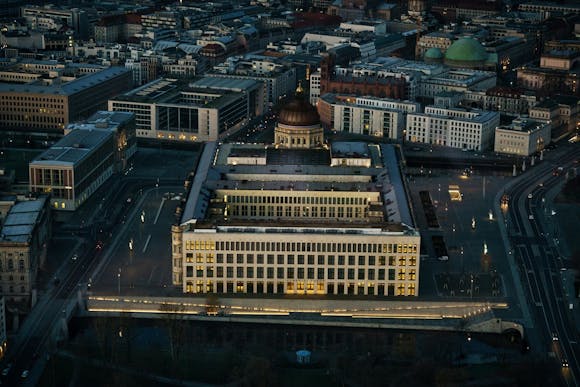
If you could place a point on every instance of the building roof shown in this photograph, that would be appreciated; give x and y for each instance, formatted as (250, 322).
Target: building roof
(69, 88)
(73, 147)
(433, 53)
(466, 50)
(299, 112)
(20, 221)
(225, 83)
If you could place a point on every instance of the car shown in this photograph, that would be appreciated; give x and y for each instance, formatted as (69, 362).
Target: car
(565, 363)
(6, 370)
(530, 195)
(531, 217)
(24, 374)
(555, 337)
(443, 258)
(74, 257)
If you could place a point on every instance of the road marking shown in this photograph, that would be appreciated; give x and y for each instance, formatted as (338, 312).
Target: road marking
(151, 275)
(159, 210)
(147, 243)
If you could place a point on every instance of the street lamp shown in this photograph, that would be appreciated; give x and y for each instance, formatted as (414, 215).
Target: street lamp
(119, 281)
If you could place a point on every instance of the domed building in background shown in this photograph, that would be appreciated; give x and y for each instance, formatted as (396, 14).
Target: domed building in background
(469, 53)
(298, 124)
(433, 55)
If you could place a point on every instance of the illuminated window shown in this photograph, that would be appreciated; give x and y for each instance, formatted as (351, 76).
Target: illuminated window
(401, 290)
(401, 274)
(411, 290)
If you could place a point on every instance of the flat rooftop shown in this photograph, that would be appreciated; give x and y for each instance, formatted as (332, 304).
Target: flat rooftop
(73, 147)
(69, 88)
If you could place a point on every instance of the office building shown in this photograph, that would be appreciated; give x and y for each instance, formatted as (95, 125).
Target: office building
(39, 103)
(455, 127)
(205, 110)
(78, 164)
(380, 117)
(523, 137)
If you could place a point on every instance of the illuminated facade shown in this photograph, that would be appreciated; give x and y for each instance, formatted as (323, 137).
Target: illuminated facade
(522, 137)
(289, 220)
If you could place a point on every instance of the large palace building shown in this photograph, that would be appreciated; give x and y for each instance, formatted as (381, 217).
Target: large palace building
(300, 216)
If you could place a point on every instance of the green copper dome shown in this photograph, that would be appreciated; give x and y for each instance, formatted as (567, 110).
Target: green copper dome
(466, 50)
(433, 53)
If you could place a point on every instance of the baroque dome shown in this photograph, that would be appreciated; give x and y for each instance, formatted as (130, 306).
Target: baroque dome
(299, 112)
(466, 50)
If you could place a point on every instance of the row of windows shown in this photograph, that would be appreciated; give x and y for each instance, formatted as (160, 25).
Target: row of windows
(10, 265)
(301, 273)
(282, 287)
(296, 211)
(10, 278)
(295, 200)
(11, 289)
(389, 248)
(301, 259)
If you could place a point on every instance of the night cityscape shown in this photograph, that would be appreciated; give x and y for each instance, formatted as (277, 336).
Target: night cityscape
(280, 193)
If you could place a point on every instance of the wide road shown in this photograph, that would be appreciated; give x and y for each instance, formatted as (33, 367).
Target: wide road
(540, 264)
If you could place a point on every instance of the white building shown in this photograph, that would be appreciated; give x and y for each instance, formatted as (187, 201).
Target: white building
(380, 117)
(457, 128)
(378, 27)
(523, 137)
